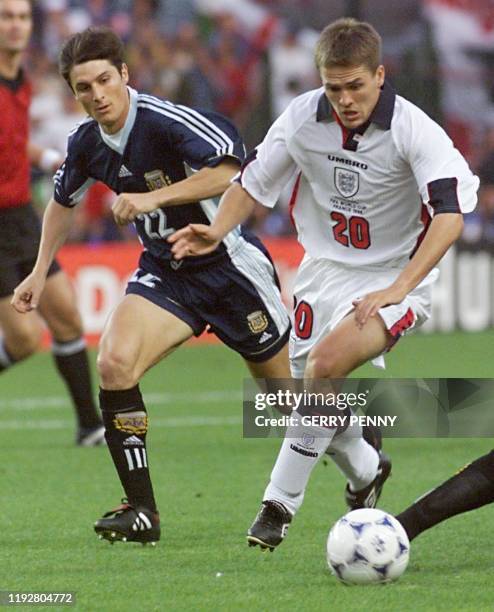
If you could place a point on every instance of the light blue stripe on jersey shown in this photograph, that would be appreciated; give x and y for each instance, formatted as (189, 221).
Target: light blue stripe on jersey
(191, 115)
(210, 208)
(196, 122)
(78, 125)
(79, 193)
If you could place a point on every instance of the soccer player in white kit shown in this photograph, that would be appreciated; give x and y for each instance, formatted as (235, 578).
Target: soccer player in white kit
(378, 199)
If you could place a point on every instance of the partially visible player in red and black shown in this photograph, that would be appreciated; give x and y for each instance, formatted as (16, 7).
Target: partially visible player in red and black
(471, 488)
(20, 233)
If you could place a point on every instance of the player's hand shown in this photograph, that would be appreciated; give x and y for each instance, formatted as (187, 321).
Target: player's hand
(193, 240)
(26, 295)
(369, 305)
(128, 206)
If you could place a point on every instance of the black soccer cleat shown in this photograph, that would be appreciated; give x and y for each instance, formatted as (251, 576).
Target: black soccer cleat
(90, 436)
(129, 524)
(270, 526)
(368, 497)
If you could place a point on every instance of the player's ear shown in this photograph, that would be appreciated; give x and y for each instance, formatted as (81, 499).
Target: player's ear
(124, 71)
(380, 73)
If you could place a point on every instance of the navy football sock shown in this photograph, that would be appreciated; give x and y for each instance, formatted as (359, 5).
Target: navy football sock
(471, 488)
(126, 423)
(73, 365)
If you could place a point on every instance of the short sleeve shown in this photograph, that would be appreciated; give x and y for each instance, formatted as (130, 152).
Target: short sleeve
(438, 167)
(203, 138)
(269, 167)
(71, 179)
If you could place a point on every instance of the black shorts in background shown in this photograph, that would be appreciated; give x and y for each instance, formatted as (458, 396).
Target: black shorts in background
(20, 232)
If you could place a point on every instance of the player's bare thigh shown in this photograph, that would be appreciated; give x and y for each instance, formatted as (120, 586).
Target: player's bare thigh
(347, 347)
(275, 372)
(58, 307)
(137, 335)
(21, 332)
(276, 367)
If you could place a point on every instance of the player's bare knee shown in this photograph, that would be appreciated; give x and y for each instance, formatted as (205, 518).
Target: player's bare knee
(66, 327)
(74, 323)
(23, 342)
(325, 364)
(116, 370)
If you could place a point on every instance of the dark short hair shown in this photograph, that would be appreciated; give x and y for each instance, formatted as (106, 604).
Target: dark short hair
(92, 44)
(348, 42)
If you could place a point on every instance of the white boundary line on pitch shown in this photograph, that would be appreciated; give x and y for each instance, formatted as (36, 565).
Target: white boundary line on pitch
(168, 422)
(61, 401)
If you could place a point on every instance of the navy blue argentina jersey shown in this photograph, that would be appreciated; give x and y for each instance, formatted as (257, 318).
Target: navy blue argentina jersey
(161, 143)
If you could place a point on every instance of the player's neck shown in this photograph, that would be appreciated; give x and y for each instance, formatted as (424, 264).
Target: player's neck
(114, 128)
(10, 64)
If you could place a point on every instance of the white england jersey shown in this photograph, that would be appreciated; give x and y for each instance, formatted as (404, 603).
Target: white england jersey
(361, 197)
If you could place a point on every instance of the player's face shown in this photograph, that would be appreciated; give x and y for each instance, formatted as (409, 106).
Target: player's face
(102, 91)
(353, 92)
(15, 25)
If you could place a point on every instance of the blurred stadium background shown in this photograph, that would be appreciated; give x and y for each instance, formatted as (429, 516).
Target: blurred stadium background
(246, 59)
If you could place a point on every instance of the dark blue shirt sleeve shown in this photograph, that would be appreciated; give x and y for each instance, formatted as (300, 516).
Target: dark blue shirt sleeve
(71, 180)
(204, 138)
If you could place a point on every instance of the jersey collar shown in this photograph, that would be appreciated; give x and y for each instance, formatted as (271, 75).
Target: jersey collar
(381, 115)
(14, 84)
(118, 141)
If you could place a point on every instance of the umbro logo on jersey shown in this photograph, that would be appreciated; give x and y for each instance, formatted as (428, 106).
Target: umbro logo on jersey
(124, 171)
(348, 162)
(133, 441)
(265, 337)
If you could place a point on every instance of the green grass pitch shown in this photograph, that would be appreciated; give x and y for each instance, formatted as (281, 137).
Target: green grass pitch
(209, 482)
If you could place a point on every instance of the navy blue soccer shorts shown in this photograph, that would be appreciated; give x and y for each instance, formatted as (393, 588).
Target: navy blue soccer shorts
(237, 298)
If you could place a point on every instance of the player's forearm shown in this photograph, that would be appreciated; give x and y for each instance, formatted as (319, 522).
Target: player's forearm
(206, 183)
(235, 208)
(56, 225)
(443, 231)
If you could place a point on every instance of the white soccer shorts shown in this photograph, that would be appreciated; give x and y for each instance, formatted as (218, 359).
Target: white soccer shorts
(324, 292)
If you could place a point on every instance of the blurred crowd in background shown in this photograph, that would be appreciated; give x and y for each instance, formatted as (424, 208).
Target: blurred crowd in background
(248, 58)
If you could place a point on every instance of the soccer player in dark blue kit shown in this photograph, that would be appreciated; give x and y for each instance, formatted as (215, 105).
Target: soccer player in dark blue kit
(167, 163)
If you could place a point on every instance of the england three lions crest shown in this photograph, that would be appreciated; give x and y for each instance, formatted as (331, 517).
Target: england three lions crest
(347, 181)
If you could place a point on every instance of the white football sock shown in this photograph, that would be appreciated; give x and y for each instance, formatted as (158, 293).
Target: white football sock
(355, 458)
(302, 448)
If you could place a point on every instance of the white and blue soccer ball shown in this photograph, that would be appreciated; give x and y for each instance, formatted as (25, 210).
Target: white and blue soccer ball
(367, 546)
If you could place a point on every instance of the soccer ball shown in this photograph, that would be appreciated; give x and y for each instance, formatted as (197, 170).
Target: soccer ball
(367, 546)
